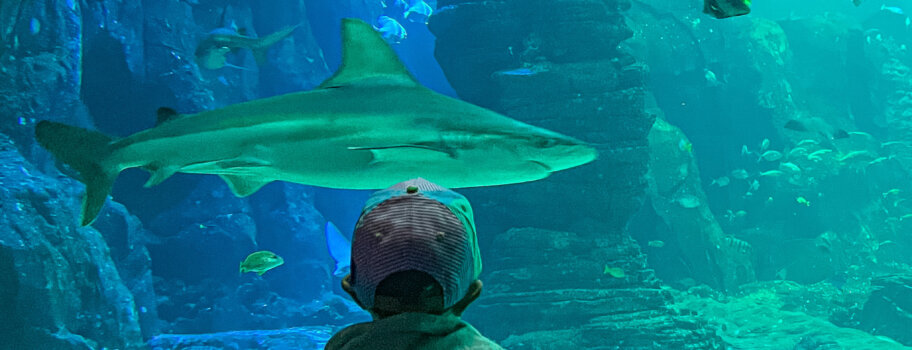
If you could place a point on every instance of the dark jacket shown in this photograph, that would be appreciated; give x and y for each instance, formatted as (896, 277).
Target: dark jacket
(413, 331)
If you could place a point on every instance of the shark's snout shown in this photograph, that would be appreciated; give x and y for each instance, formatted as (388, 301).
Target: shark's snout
(559, 153)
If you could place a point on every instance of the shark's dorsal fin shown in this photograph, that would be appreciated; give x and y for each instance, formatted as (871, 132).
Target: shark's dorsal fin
(367, 59)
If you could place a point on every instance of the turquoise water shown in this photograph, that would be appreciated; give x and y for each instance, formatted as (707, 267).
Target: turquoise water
(751, 189)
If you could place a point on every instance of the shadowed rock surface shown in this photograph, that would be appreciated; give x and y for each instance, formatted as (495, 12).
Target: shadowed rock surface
(60, 288)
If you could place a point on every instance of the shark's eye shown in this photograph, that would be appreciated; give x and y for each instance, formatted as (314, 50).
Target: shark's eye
(546, 142)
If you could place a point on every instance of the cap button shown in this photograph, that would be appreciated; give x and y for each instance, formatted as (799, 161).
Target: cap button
(411, 189)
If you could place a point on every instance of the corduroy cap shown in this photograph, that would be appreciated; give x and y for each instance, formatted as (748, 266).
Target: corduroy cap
(415, 225)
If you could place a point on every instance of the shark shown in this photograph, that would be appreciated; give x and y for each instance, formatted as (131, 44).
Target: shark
(370, 125)
(211, 52)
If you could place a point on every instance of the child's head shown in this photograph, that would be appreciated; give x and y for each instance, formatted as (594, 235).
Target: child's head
(414, 250)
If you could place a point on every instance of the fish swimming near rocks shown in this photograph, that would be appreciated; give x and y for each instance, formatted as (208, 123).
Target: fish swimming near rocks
(391, 30)
(212, 51)
(615, 272)
(740, 174)
(396, 4)
(339, 248)
(770, 156)
(721, 181)
(795, 125)
(368, 126)
(656, 244)
(260, 262)
(688, 201)
(419, 11)
(726, 8)
(737, 244)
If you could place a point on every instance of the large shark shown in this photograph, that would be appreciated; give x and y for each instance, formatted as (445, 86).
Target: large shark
(368, 126)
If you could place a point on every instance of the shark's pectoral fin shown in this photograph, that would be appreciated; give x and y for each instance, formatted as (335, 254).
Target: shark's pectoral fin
(159, 174)
(367, 59)
(243, 186)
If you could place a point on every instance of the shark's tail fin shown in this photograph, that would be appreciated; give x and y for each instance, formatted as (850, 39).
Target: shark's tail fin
(83, 150)
(264, 43)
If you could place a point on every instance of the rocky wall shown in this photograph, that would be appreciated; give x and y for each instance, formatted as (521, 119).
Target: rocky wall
(60, 287)
(574, 278)
(676, 195)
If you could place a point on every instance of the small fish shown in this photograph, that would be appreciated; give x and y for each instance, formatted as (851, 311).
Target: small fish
(396, 4)
(905, 217)
(891, 192)
(754, 185)
(34, 26)
(840, 134)
(797, 152)
(656, 244)
(726, 8)
(877, 160)
(772, 173)
(339, 248)
(782, 273)
(739, 174)
(211, 51)
(518, 72)
(744, 150)
(894, 143)
(688, 201)
(390, 29)
(722, 181)
(420, 11)
(892, 9)
(807, 142)
(857, 155)
(732, 216)
(816, 155)
(764, 145)
(260, 262)
(737, 244)
(790, 167)
(710, 77)
(685, 146)
(615, 272)
(803, 201)
(770, 156)
(861, 134)
(795, 125)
